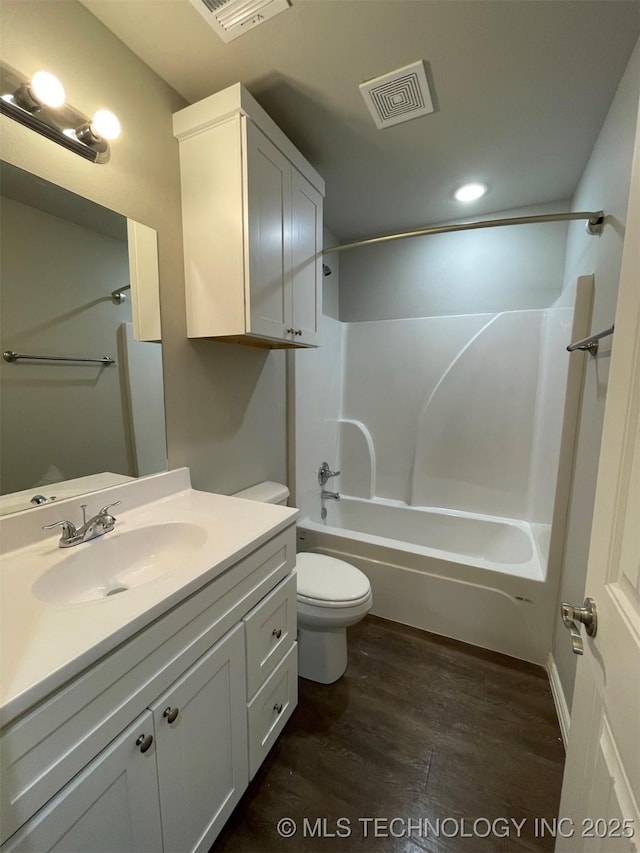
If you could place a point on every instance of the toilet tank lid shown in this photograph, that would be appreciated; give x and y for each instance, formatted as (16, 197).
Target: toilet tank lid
(266, 492)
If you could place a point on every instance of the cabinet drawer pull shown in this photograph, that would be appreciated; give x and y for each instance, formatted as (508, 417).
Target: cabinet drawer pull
(277, 633)
(170, 714)
(144, 742)
(278, 707)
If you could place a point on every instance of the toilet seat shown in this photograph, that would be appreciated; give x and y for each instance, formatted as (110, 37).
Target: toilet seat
(322, 602)
(324, 581)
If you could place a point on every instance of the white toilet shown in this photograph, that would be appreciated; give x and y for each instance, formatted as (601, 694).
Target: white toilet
(332, 595)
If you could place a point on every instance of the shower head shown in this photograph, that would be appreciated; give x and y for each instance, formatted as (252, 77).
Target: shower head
(326, 270)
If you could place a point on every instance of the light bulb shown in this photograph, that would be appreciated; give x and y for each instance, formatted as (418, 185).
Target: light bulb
(105, 124)
(470, 192)
(47, 89)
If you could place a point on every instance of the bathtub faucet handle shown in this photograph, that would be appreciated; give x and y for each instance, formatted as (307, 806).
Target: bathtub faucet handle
(325, 473)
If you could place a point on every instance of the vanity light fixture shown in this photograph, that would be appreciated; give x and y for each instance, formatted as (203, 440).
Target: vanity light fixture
(470, 192)
(40, 104)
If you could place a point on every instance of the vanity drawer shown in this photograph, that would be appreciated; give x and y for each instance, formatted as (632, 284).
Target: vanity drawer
(271, 707)
(270, 630)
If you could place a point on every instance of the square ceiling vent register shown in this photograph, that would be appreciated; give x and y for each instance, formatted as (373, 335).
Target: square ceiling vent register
(233, 18)
(399, 96)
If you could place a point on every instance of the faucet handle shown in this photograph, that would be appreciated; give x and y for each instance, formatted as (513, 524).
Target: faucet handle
(105, 509)
(325, 473)
(68, 529)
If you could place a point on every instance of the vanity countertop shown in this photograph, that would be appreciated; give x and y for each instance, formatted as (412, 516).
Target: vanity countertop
(45, 644)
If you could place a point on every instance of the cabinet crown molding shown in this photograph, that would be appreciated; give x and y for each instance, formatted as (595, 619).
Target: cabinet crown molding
(237, 100)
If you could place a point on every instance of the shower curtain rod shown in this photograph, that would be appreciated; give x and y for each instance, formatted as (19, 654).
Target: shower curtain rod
(595, 219)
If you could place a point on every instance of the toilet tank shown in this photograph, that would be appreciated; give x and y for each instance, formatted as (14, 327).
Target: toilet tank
(266, 492)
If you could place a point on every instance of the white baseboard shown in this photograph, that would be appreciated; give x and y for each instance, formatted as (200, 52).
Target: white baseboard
(562, 709)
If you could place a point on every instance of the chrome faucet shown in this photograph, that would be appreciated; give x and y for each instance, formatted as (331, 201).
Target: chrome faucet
(325, 473)
(329, 496)
(98, 525)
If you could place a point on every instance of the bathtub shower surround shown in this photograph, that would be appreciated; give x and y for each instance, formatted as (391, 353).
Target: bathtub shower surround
(447, 431)
(479, 582)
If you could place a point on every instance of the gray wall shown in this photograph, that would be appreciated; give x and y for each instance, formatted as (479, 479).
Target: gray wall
(605, 184)
(55, 281)
(331, 283)
(466, 272)
(226, 410)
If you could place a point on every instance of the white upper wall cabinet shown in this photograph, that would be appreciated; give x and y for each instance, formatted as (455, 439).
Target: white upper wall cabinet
(252, 223)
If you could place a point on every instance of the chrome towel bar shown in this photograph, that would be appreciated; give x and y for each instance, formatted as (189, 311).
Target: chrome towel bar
(590, 343)
(11, 356)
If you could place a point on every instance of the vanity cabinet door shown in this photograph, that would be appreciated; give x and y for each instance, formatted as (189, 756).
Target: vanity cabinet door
(200, 725)
(111, 805)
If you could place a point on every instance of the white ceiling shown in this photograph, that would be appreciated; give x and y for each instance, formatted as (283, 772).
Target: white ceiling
(521, 89)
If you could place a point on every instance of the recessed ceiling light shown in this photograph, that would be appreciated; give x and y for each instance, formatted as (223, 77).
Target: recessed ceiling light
(470, 192)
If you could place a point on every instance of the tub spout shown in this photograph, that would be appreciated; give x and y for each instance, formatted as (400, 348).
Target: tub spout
(329, 496)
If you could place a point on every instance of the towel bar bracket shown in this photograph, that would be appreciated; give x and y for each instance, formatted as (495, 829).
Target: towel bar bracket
(591, 343)
(595, 224)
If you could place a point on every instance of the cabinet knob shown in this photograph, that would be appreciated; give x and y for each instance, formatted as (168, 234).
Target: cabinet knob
(144, 742)
(277, 707)
(291, 331)
(171, 714)
(299, 332)
(277, 633)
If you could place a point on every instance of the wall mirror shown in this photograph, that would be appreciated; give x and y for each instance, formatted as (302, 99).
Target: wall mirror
(75, 425)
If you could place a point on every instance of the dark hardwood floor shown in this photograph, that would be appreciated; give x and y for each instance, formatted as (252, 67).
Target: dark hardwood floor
(419, 728)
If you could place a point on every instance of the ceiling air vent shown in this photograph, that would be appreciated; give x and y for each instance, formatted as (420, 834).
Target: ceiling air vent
(232, 18)
(398, 96)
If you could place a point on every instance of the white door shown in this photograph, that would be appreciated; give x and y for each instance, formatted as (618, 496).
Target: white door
(268, 278)
(601, 789)
(306, 264)
(111, 805)
(201, 733)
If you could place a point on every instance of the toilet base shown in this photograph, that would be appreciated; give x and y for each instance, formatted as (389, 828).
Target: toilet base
(322, 655)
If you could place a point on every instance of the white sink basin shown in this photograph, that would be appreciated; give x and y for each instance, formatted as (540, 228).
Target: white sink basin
(117, 562)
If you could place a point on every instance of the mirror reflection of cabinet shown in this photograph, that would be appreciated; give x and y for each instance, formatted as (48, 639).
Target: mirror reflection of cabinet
(61, 258)
(144, 281)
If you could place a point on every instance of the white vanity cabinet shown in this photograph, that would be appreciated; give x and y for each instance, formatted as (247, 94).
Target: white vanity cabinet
(252, 223)
(272, 668)
(200, 734)
(149, 748)
(114, 800)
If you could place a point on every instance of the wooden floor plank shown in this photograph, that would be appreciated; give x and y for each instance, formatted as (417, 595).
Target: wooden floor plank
(420, 727)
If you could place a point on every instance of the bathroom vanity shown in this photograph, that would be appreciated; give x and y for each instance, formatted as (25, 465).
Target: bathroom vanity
(137, 703)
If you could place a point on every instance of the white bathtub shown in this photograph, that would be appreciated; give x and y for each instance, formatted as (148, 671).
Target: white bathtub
(475, 578)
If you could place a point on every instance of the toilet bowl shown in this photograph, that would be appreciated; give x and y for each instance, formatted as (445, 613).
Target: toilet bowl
(332, 595)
